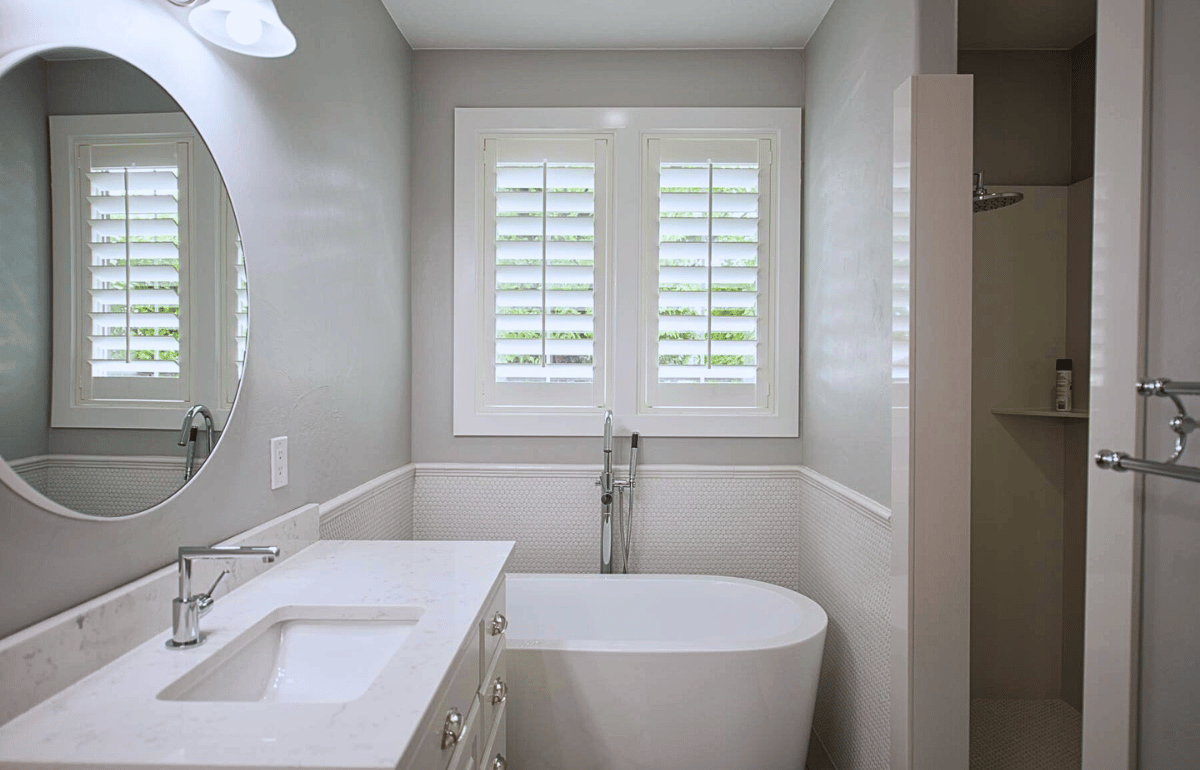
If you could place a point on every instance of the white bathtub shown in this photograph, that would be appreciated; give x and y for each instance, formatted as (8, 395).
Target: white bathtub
(657, 672)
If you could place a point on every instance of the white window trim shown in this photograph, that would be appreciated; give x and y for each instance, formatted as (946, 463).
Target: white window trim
(201, 385)
(624, 276)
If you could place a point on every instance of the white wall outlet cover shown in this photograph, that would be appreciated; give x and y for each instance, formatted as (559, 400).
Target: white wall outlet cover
(279, 462)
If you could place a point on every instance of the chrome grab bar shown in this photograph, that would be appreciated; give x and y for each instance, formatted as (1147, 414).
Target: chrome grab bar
(1181, 424)
(1119, 461)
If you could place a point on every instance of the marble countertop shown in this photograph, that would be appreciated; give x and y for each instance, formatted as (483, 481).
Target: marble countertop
(113, 718)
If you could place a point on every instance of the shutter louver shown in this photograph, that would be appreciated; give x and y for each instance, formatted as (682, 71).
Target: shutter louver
(130, 205)
(545, 230)
(711, 250)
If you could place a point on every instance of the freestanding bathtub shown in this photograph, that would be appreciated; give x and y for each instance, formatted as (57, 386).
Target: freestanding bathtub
(660, 672)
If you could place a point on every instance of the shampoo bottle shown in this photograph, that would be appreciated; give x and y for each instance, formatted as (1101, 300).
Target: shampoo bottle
(1062, 385)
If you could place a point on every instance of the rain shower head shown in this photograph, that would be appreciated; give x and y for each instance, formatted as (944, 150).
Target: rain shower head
(986, 201)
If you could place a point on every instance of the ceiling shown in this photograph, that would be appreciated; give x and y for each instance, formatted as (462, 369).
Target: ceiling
(607, 24)
(1024, 24)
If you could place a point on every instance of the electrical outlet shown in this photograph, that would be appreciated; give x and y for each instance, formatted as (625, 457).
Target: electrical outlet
(279, 462)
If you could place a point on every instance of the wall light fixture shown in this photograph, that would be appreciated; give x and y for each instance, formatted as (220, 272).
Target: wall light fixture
(252, 27)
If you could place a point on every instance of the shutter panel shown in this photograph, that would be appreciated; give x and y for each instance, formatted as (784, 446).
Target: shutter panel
(544, 253)
(709, 272)
(234, 322)
(132, 200)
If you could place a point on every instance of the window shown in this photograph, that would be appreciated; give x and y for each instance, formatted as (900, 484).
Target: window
(708, 277)
(544, 250)
(145, 252)
(641, 260)
(134, 250)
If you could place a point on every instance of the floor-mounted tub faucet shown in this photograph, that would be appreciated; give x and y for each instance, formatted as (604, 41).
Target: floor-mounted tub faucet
(187, 437)
(606, 498)
(186, 609)
(607, 489)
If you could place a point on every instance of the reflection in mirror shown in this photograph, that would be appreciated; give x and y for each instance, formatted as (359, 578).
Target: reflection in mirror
(123, 306)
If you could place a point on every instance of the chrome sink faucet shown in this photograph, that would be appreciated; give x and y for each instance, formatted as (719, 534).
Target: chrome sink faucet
(186, 439)
(187, 609)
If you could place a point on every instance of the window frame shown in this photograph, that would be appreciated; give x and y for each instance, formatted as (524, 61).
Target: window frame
(625, 274)
(200, 293)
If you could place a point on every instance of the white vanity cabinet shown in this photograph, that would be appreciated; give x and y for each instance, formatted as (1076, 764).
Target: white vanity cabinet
(424, 620)
(466, 728)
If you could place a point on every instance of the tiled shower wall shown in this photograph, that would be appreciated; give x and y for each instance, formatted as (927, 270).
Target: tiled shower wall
(784, 525)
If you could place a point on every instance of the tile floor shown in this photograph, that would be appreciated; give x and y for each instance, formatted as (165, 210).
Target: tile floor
(1024, 735)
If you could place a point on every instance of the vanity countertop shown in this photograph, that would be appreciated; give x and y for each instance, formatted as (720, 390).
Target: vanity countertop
(113, 718)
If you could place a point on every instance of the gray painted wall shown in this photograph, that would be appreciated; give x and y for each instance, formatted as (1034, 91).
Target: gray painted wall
(1083, 110)
(1035, 114)
(1022, 115)
(859, 55)
(24, 263)
(103, 87)
(315, 152)
(1169, 732)
(449, 79)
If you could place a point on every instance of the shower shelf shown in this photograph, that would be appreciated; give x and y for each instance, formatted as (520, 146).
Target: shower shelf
(1073, 415)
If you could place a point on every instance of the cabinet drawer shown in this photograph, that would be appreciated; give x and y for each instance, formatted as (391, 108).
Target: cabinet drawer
(495, 756)
(460, 697)
(466, 753)
(491, 629)
(490, 691)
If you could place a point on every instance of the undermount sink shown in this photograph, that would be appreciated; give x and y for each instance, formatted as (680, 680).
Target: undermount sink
(301, 655)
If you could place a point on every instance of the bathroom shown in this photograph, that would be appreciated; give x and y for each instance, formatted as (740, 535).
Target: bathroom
(342, 164)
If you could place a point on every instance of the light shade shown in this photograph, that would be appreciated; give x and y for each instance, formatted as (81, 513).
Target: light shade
(252, 27)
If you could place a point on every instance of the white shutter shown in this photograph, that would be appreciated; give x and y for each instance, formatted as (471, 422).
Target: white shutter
(131, 202)
(708, 270)
(544, 255)
(234, 323)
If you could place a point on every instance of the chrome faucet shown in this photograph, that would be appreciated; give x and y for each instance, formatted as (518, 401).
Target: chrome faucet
(186, 610)
(608, 486)
(186, 438)
(606, 498)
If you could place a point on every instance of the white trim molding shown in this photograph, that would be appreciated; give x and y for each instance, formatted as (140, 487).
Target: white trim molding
(855, 501)
(593, 471)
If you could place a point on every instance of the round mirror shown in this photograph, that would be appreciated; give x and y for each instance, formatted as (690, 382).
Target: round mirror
(123, 306)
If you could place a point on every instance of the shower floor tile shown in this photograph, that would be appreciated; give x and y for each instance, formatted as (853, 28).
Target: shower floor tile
(1024, 735)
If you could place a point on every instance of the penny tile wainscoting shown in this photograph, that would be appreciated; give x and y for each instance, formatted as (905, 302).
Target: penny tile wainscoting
(103, 485)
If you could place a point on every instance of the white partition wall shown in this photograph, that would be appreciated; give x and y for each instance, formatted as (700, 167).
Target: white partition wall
(931, 426)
